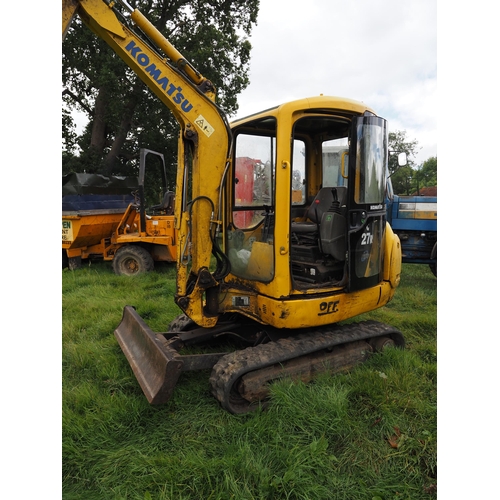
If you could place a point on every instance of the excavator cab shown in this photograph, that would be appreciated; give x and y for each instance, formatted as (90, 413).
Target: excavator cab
(305, 211)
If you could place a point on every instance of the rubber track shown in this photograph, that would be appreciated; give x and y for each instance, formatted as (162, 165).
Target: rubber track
(236, 364)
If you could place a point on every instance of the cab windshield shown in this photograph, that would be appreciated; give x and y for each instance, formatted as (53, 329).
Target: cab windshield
(371, 160)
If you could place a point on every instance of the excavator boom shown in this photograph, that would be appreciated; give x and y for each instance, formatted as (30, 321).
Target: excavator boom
(204, 141)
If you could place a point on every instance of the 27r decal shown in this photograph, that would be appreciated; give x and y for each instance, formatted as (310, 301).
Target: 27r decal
(367, 237)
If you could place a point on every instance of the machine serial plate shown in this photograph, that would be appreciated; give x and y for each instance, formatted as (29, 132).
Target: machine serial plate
(241, 301)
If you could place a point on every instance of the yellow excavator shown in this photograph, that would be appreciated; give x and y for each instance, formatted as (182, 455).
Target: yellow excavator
(282, 231)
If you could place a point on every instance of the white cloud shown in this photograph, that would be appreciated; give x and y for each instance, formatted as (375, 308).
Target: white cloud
(380, 52)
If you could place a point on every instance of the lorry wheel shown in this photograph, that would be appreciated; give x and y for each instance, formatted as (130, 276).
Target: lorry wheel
(434, 255)
(131, 259)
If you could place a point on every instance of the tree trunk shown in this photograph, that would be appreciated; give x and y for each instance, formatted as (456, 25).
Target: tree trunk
(91, 158)
(98, 138)
(123, 129)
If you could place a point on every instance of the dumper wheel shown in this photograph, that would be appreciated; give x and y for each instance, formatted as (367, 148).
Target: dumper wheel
(74, 263)
(132, 259)
(65, 260)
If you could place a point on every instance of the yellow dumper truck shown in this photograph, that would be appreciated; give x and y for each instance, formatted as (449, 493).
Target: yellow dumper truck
(106, 218)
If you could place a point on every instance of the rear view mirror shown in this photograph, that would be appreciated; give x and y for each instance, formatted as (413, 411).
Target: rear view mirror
(402, 159)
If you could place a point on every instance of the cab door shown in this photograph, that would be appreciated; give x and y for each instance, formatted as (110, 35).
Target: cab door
(368, 155)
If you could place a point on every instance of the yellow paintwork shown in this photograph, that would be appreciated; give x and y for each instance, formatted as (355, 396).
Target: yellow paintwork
(68, 12)
(285, 115)
(425, 215)
(315, 307)
(392, 258)
(170, 51)
(101, 233)
(317, 310)
(85, 231)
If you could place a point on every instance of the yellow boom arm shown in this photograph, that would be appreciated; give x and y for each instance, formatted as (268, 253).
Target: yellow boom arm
(204, 136)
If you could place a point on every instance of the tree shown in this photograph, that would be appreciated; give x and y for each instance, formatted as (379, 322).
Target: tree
(123, 115)
(427, 174)
(410, 178)
(401, 177)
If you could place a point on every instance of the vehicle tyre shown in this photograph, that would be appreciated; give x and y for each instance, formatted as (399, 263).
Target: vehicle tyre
(74, 263)
(132, 259)
(434, 255)
(65, 260)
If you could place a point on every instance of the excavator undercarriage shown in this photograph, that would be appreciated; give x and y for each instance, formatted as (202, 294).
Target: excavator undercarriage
(240, 378)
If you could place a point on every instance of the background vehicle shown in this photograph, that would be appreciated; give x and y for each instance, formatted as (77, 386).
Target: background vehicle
(103, 219)
(275, 268)
(414, 220)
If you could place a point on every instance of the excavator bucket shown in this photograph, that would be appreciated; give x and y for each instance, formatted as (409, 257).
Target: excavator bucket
(156, 366)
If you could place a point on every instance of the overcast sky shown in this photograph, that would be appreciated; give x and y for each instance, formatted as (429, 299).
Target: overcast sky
(382, 53)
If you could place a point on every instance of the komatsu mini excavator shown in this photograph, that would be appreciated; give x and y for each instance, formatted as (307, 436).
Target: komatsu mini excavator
(282, 230)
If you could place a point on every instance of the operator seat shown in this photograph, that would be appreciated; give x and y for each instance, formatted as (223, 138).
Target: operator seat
(167, 205)
(321, 203)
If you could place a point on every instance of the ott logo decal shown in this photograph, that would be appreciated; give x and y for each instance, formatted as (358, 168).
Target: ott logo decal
(328, 307)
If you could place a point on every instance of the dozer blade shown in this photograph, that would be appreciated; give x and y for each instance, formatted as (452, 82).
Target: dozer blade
(156, 367)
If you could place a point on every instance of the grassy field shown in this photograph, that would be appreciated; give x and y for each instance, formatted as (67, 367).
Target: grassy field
(370, 434)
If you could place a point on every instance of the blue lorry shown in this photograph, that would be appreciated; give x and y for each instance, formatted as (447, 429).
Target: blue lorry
(414, 220)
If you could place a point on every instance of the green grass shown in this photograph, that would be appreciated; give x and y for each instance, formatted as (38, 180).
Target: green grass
(368, 434)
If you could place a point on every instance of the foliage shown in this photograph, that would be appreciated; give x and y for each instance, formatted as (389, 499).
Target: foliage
(123, 115)
(410, 178)
(370, 433)
(427, 175)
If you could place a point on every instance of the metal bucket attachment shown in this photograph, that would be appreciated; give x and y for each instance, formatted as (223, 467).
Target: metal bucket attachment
(156, 367)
